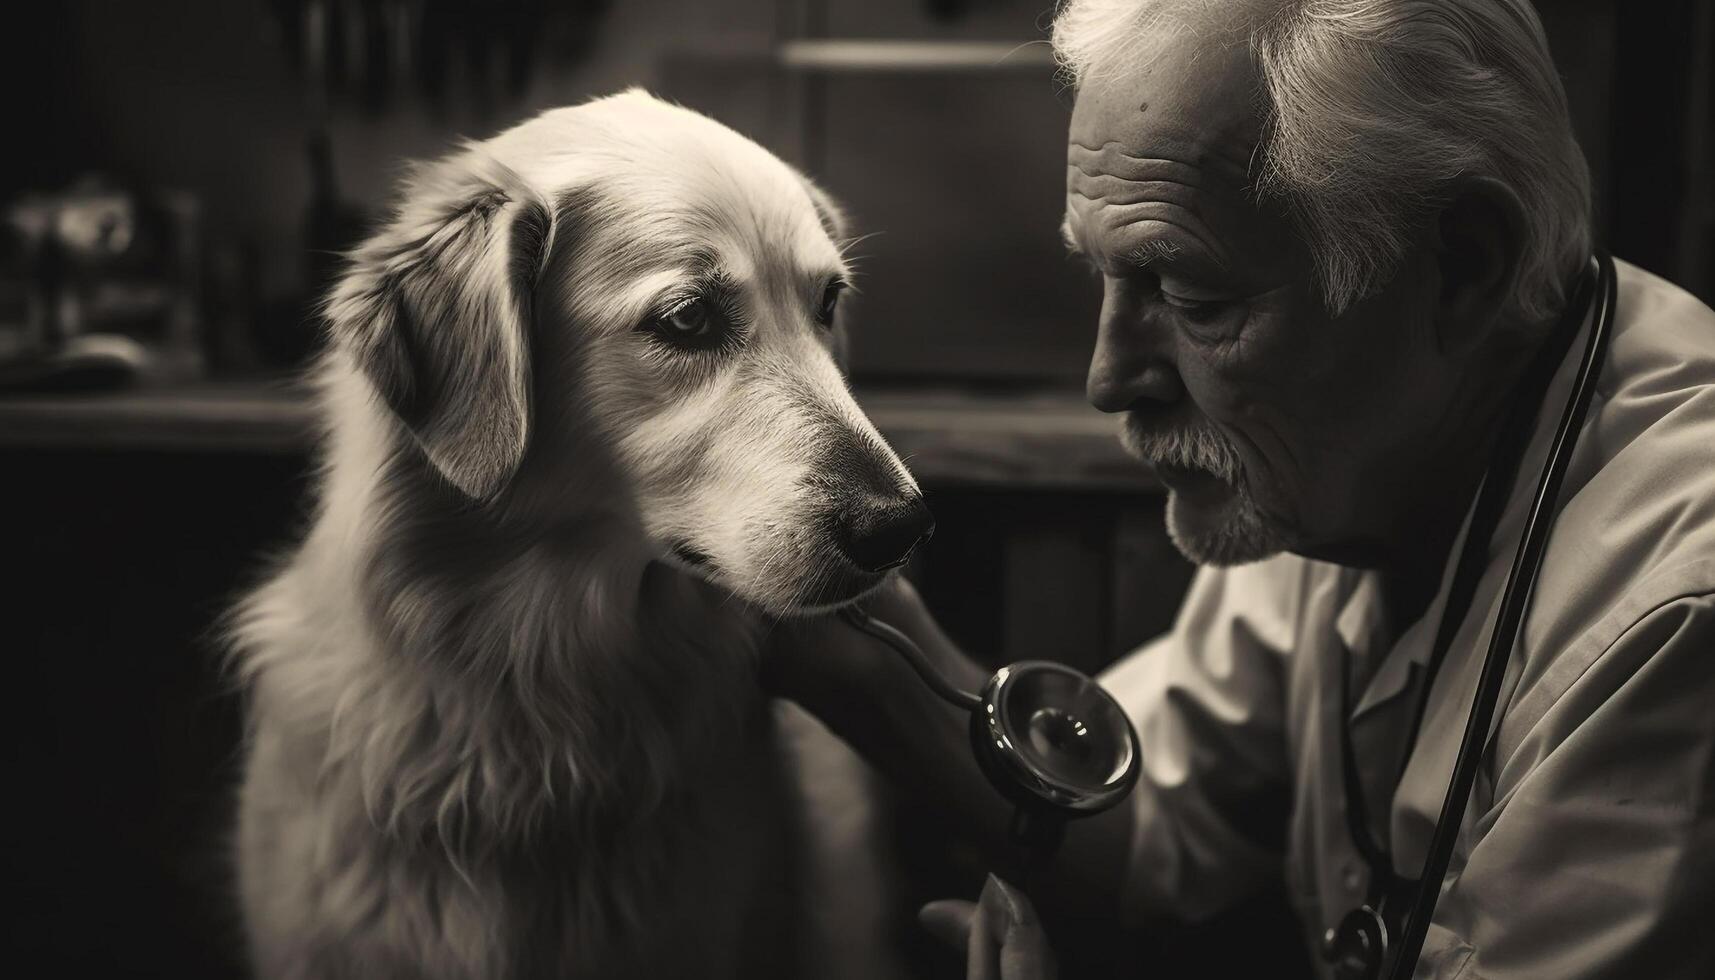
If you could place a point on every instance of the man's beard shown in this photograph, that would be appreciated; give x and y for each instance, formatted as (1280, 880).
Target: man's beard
(1245, 534)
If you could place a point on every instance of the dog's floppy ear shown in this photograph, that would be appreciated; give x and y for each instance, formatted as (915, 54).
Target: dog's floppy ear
(435, 310)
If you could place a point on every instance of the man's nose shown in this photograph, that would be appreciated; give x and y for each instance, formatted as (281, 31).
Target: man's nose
(879, 531)
(1128, 367)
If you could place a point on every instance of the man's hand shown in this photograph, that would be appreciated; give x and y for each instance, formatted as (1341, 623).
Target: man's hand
(1000, 933)
(868, 695)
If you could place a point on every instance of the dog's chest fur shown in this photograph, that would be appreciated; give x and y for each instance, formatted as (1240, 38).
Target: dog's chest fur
(517, 769)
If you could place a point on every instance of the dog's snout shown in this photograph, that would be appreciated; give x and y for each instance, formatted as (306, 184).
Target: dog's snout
(880, 532)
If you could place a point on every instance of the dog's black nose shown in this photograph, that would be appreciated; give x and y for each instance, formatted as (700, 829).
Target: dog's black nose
(879, 532)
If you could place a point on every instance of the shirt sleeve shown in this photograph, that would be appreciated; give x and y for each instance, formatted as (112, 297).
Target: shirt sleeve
(1596, 856)
(1208, 703)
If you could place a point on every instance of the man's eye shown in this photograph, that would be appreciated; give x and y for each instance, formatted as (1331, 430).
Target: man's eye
(1192, 307)
(830, 303)
(1193, 301)
(697, 325)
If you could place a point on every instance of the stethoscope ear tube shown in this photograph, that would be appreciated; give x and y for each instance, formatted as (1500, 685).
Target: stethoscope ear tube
(1514, 603)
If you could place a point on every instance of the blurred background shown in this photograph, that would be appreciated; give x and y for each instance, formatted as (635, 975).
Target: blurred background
(182, 176)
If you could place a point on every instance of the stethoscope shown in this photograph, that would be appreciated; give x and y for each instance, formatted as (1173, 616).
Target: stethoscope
(1361, 946)
(1058, 746)
(1050, 739)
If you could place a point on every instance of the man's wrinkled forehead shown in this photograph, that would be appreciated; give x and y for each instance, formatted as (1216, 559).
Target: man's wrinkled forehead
(1195, 100)
(1166, 151)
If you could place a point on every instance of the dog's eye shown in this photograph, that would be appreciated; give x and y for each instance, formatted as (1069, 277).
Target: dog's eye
(830, 302)
(696, 324)
(689, 320)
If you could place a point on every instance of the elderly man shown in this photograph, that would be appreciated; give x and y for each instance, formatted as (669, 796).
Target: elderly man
(1341, 244)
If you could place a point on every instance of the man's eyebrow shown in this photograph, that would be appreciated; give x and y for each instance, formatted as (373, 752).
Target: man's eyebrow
(1154, 251)
(1149, 252)
(1162, 254)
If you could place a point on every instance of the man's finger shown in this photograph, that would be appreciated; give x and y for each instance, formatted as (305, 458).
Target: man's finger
(961, 925)
(1014, 929)
(1001, 934)
(949, 921)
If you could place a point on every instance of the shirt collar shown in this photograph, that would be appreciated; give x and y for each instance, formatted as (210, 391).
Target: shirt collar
(1363, 628)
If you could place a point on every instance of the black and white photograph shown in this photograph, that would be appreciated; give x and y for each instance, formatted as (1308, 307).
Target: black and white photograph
(859, 489)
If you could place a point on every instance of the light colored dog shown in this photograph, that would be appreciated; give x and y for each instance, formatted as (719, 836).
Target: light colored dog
(491, 734)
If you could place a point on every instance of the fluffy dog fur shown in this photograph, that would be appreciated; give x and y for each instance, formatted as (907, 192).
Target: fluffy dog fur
(491, 735)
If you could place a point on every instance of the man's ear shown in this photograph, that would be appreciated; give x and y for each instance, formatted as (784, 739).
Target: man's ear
(435, 310)
(1480, 249)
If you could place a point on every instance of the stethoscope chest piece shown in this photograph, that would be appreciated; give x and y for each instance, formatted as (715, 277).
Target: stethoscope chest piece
(1052, 740)
(1357, 947)
(1046, 736)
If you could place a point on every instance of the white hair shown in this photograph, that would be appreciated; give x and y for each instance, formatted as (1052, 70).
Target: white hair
(1373, 108)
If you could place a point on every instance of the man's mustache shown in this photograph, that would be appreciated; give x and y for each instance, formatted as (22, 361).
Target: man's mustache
(1199, 446)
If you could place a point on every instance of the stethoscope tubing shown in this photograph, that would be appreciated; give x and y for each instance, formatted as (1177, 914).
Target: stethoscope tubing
(919, 661)
(1515, 599)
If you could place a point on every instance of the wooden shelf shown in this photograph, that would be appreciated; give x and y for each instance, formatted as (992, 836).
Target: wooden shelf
(869, 56)
(949, 437)
(273, 416)
(892, 57)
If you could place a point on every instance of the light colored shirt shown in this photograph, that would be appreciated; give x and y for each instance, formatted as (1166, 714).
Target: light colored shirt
(1588, 845)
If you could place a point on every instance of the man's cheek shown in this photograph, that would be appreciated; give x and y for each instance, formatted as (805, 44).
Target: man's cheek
(1268, 467)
